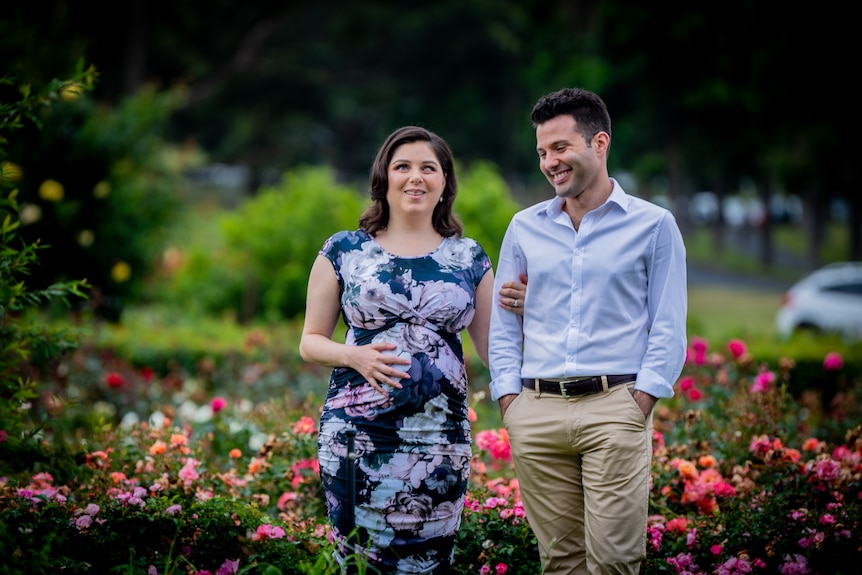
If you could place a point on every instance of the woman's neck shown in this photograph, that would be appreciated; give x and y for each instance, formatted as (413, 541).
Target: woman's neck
(405, 240)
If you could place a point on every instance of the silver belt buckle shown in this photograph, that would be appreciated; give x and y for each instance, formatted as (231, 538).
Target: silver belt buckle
(563, 389)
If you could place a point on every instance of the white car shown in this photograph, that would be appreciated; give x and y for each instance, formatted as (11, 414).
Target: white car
(827, 300)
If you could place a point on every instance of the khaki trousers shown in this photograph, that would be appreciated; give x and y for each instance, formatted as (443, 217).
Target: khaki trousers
(583, 465)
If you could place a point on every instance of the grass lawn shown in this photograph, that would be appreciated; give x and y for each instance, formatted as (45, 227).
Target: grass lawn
(720, 313)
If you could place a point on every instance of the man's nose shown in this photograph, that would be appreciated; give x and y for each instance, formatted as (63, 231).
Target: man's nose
(550, 160)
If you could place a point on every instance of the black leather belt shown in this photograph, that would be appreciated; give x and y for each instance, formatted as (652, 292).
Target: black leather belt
(579, 386)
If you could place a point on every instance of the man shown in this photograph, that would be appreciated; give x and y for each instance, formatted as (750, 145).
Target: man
(600, 337)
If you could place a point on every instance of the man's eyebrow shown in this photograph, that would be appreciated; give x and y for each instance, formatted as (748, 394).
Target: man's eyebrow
(554, 144)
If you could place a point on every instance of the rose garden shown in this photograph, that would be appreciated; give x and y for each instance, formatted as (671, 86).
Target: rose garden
(166, 443)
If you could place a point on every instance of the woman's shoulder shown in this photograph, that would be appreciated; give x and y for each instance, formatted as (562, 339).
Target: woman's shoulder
(359, 234)
(467, 243)
(467, 251)
(345, 239)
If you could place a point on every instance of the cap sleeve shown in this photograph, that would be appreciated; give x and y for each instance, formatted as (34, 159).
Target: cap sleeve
(481, 263)
(336, 245)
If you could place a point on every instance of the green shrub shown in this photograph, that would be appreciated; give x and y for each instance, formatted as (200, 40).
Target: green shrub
(494, 532)
(280, 231)
(485, 205)
(163, 497)
(99, 184)
(26, 345)
(253, 262)
(201, 278)
(173, 535)
(256, 264)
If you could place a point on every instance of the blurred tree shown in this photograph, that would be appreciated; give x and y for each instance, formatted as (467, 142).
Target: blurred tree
(726, 92)
(701, 97)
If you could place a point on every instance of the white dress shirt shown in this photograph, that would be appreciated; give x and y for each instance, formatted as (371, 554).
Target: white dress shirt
(607, 299)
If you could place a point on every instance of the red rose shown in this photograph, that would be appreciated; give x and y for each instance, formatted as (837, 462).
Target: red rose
(114, 379)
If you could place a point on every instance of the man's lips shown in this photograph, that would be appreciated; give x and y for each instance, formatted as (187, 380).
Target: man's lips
(560, 176)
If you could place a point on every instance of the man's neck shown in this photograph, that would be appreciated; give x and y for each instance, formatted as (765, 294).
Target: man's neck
(588, 200)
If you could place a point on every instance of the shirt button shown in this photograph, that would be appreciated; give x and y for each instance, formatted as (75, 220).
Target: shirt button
(574, 324)
(578, 251)
(569, 359)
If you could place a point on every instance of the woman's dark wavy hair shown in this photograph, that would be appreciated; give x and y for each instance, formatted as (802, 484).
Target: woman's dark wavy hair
(587, 108)
(376, 216)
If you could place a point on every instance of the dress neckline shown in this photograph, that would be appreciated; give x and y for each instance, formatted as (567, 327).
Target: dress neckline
(394, 255)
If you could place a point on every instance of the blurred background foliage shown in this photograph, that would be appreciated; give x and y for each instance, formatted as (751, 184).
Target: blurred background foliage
(99, 189)
(251, 261)
(197, 154)
(222, 143)
(194, 171)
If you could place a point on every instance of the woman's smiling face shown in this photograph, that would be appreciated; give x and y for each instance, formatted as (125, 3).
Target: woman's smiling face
(416, 180)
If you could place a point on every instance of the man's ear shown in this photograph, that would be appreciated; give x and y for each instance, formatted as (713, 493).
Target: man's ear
(601, 142)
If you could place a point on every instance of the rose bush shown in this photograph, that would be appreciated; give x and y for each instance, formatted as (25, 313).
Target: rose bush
(207, 477)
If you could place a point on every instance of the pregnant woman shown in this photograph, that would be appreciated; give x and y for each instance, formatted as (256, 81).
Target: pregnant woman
(407, 283)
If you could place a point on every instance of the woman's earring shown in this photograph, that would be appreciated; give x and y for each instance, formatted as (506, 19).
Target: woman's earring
(440, 201)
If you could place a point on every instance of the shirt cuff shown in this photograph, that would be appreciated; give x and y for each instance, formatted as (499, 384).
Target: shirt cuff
(652, 383)
(505, 385)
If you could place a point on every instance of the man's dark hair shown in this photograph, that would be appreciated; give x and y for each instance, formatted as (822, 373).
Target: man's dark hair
(587, 108)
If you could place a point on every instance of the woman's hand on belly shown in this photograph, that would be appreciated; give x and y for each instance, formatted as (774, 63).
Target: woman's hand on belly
(377, 366)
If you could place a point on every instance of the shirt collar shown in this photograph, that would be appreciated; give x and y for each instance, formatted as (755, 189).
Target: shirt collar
(618, 196)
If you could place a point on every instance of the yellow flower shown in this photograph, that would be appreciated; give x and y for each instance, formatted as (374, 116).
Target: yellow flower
(71, 92)
(86, 238)
(10, 171)
(121, 272)
(102, 189)
(51, 191)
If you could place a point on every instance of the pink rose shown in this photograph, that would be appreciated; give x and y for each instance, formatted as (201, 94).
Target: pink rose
(762, 382)
(83, 522)
(267, 531)
(217, 404)
(736, 347)
(285, 498)
(833, 361)
(686, 383)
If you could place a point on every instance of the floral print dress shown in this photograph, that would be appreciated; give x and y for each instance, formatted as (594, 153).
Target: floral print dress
(413, 444)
